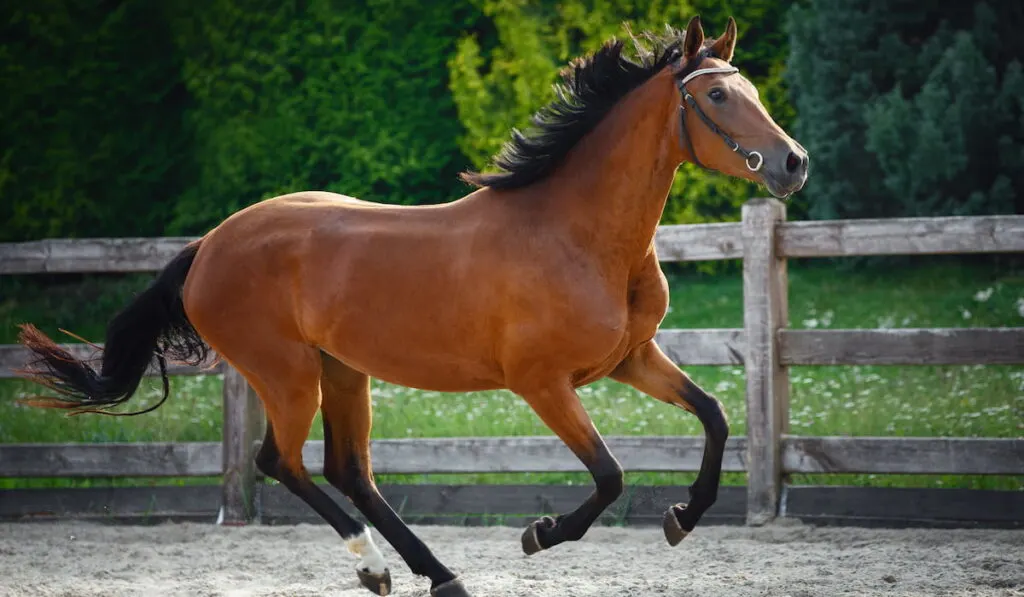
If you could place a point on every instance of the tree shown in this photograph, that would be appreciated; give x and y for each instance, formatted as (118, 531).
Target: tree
(91, 139)
(908, 109)
(346, 97)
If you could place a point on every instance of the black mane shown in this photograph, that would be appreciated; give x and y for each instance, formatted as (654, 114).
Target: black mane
(591, 86)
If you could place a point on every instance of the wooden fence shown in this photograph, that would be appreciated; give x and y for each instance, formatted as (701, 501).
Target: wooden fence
(765, 346)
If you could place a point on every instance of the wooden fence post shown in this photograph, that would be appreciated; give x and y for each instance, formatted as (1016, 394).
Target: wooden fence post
(242, 428)
(765, 312)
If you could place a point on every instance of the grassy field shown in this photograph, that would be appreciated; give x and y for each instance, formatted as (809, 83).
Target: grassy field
(947, 401)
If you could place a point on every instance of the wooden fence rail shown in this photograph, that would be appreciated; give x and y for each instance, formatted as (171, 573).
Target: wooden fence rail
(898, 455)
(765, 347)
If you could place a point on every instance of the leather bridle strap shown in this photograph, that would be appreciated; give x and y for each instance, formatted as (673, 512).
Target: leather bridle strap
(753, 159)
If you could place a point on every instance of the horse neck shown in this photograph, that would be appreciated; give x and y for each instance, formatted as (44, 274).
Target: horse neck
(612, 189)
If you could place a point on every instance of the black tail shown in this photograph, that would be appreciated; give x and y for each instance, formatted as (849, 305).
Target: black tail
(154, 324)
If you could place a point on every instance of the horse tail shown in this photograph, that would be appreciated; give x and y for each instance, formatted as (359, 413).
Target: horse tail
(153, 324)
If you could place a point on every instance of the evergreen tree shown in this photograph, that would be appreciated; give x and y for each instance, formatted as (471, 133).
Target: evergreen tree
(91, 136)
(907, 109)
(346, 97)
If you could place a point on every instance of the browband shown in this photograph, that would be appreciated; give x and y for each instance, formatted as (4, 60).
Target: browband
(714, 70)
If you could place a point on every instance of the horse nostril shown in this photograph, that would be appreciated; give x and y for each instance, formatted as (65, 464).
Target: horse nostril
(793, 162)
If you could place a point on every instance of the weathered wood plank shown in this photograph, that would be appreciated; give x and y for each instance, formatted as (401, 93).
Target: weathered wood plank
(905, 507)
(151, 459)
(243, 429)
(122, 504)
(699, 242)
(765, 312)
(420, 455)
(530, 454)
(941, 346)
(903, 236)
(516, 506)
(511, 504)
(15, 356)
(903, 455)
(992, 456)
(692, 242)
(703, 347)
(65, 255)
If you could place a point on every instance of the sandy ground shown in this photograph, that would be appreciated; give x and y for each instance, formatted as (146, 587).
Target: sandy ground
(80, 559)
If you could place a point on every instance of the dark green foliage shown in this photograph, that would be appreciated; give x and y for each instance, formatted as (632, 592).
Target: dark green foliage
(133, 118)
(349, 97)
(91, 104)
(148, 118)
(909, 109)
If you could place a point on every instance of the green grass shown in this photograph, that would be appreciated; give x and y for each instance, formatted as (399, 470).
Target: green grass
(947, 401)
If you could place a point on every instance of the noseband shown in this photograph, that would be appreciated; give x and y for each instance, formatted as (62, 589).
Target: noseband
(753, 159)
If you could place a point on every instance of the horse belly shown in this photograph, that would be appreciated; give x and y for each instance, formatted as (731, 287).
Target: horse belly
(422, 368)
(413, 331)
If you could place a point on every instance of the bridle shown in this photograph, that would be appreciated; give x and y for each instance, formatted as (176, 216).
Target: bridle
(753, 159)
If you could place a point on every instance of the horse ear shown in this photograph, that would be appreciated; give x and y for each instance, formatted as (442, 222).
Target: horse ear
(694, 39)
(724, 46)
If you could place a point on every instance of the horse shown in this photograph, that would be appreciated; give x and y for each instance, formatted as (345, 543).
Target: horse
(542, 279)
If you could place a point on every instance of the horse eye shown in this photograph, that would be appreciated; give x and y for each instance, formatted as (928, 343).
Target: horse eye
(717, 95)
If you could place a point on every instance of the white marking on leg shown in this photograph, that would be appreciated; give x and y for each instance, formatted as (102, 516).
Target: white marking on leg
(370, 557)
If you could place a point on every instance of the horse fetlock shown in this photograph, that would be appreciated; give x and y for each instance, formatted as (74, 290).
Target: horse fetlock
(535, 535)
(610, 484)
(370, 559)
(372, 569)
(702, 496)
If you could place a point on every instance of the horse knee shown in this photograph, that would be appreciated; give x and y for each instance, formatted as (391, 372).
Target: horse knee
(709, 411)
(609, 480)
(714, 419)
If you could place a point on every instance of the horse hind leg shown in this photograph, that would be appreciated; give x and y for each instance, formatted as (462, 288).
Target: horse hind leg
(347, 418)
(288, 385)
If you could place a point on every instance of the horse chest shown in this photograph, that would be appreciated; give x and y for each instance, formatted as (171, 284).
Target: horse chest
(641, 318)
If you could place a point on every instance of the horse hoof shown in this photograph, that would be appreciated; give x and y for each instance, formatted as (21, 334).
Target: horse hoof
(452, 588)
(379, 584)
(531, 541)
(674, 531)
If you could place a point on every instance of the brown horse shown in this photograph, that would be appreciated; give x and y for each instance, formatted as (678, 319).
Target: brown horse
(540, 281)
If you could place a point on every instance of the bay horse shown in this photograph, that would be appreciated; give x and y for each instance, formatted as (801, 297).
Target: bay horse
(541, 280)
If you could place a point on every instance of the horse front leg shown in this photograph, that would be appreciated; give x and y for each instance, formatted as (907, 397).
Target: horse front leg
(647, 369)
(559, 407)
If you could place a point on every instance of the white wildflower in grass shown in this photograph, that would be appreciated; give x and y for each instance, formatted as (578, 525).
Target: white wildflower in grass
(983, 295)
(811, 323)
(965, 313)
(1020, 306)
